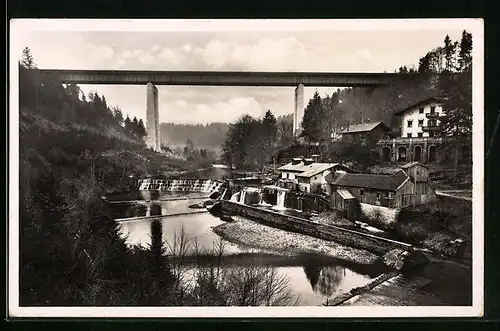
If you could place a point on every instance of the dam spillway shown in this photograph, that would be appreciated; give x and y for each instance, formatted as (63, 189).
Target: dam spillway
(180, 185)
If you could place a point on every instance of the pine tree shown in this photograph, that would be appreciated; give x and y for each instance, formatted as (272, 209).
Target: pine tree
(424, 64)
(141, 129)
(127, 124)
(311, 121)
(27, 60)
(449, 54)
(269, 131)
(465, 53)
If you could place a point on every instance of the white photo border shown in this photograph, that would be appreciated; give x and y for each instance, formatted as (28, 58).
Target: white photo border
(474, 26)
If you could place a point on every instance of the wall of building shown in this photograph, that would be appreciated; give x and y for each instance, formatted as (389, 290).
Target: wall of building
(369, 136)
(415, 116)
(410, 145)
(419, 172)
(289, 175)
(413, 194)
(366, 195)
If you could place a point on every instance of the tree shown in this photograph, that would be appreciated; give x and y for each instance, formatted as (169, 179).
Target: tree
(456, 90)
(311, 121)
(269, 132)
(449, 54)
(27, 60)
(424, 64)
(141, 129)
(127, 124)
(465, 53)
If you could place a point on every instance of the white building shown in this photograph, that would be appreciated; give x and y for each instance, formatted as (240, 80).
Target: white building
(309, 176)
(421, 120)
(420, 138)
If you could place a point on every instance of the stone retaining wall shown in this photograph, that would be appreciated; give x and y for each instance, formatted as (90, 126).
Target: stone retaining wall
(374, 244)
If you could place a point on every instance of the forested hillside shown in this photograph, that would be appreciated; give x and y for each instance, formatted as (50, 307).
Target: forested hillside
(444, 72)
(72, 150)
(209, 136)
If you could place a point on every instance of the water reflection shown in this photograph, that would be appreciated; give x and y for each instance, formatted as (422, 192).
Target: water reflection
(331, 280)
(314, 279)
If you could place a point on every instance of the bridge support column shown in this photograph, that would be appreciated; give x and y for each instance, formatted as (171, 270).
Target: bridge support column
(299, 109)
(152, 119)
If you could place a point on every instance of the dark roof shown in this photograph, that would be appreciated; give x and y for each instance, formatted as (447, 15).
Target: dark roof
(363, 127)
(419, 103)
(373, 181)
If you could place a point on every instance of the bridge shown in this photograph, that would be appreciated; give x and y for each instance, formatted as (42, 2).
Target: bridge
(220, 78)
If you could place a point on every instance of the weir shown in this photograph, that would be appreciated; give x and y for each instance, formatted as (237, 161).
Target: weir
(180, 185)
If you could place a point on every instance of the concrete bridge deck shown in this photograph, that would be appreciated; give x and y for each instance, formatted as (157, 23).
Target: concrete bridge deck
(225, 78)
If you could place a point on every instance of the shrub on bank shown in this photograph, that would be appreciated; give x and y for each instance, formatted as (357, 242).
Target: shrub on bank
(333, 217)
(436, 225)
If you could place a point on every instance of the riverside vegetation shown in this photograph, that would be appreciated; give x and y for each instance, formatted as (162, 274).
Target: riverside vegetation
(74, 149)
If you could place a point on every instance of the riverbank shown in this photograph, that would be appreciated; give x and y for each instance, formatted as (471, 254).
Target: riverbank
(256, 235)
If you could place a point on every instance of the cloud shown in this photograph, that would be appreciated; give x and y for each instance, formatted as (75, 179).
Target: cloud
(220, 111)
(181, 103)
(155, 48)
(364, 53)
(120, 62)
(127, 54)
(187, 48)
(146, 58)
(102, 52)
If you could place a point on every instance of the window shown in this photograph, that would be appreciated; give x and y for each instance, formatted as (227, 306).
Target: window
(408, 135)
(421, 110)
(420, 122)
(379, 195)
(410, 123)
(388, 195)
(432, 123)
(360, 192)
(420, 134)
(433, 109)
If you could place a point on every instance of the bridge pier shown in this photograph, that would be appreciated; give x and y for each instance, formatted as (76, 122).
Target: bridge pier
(299, 109)
(152, 118)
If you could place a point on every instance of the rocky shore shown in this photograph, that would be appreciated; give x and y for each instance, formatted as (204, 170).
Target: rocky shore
(256, 235)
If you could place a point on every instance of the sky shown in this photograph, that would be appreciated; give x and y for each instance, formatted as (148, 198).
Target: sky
(293, 50)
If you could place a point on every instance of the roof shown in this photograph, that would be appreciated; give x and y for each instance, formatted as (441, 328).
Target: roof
(364, 127)
(411, 164)
(274, 187)
(345, 194)
(299, 167)
(318, 168)
(419, 103)
(373, 181)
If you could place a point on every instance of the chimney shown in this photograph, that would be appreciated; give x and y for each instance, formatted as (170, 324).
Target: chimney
(308, 161)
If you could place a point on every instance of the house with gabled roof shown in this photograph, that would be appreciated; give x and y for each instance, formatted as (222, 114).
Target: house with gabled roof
(419, 138)
(364, 131)
(308, 176)
(408, 186)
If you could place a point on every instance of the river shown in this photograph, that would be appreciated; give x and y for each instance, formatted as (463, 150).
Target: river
(310, 277)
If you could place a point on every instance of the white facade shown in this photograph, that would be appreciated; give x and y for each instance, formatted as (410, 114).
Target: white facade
(414, 119)
(312, 184)
(289, 174)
